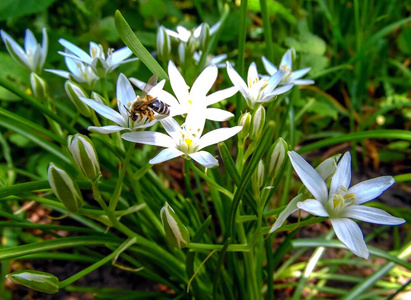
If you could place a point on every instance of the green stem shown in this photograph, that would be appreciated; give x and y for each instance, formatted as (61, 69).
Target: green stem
(267, 30)
(105, 93)
(241, 50)
(117, 191)
(206, 247)
(93, 267)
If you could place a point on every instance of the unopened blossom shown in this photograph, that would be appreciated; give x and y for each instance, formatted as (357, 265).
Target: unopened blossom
(189, 99)
(101, 63)
(33, 55)
(258, 91)
(341, 203)
(290, 76)
(78, 72)
(125, 98)
(184, 140)
(211, 60)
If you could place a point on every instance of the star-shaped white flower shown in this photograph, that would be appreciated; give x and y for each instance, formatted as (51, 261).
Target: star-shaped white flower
(194, 38)
(101, 64)
(125, 98)
(33, 56)
(290, 76)
(78, 72)
(185, 140)
(341, 202)
(196, 96)
(258, 91)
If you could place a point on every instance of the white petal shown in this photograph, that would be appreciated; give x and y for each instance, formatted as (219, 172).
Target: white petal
(313, 207)
(107, 129)
(168, 99)
(349, 233)
(219, 115)
(273, 81)
(327, 168)
(178, 84)
(172, 127)
(149, 138)
(138, 83)
(298, 74)
(125, 94)
(30, 42)
(166, 154)
(120, 55)
(303, 82)
(342, 176)
(44, 46)
(370, 189)
(221, 95)
(218, 135)
(76, 50)
(61, 73)
(269, 67)
(291, 207)
(105, 111)
(237, 80)
(287, 60)
(371, 215)
(311, 179)
(204, 82)
(252, 75)
(204, 158)
(15, 50)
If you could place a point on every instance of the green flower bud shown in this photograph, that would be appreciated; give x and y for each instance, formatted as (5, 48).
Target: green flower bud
(97, 97)
(275, 158)
(257, 180)
(74, 92)
(84, 153)
(65, 189)
(36, 280)
(245, 121)
(176, 233)
(257, 123)
(38, 86)
(163, 44)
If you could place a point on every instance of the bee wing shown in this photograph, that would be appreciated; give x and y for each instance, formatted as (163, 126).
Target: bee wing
(149, 85)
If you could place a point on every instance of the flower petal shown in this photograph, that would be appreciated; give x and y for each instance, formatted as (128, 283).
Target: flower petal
(120, 55)
(370, 189)
(125, 94)
(204, 158)
(15, 50)
(204, 82)
(349, 233)
(237, 80)
(273, 81)
(268, 66)
(311, 179)
(298, 74)
(166, 154)
(149, 138)
(44, 46)
(218, 135)
(60, 73)
(371, 215)
(287, 60)
(219, 115)
(172, 127)
(107, 129)
(221, 95)
(342, 177)
(82, 55)
(30, 42)
(313, 207)
(303, 82)
(178, 84)
(105, 111)
(291, 208)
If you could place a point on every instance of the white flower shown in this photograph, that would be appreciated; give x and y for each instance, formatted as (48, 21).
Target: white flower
(211, 60)
(79, 72)
(101, 64)
(125, 98)
(286, 65)
(341, 202)
(257, 91)
(194, 98)
(33, 56)
(185, 140)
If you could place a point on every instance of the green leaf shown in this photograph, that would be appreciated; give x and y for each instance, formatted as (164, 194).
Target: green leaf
(19, 8)
(131, 41)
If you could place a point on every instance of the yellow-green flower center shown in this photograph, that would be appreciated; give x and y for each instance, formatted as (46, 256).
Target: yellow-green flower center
(338, 201)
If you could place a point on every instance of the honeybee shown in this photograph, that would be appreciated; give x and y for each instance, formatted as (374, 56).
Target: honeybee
(146, 105)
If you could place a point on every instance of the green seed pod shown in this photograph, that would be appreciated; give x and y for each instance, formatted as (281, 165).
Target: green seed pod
(84, 153)
(38, 86)
(36, 280)
(257, 123)
(65, 189)
(176, 233)
(74, 92)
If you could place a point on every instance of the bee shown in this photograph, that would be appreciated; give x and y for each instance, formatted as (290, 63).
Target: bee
(146, 105)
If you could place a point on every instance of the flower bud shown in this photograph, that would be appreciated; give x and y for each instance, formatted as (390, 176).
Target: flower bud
(163, 44)
(275, 158)
(257, 123)
(245, 121)
(327, 168)
(98, 98)
(38, 86)
(65, 189)
(176, 233)
(84, 153)
(36, 280)
(257, 180)
(74, 92)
